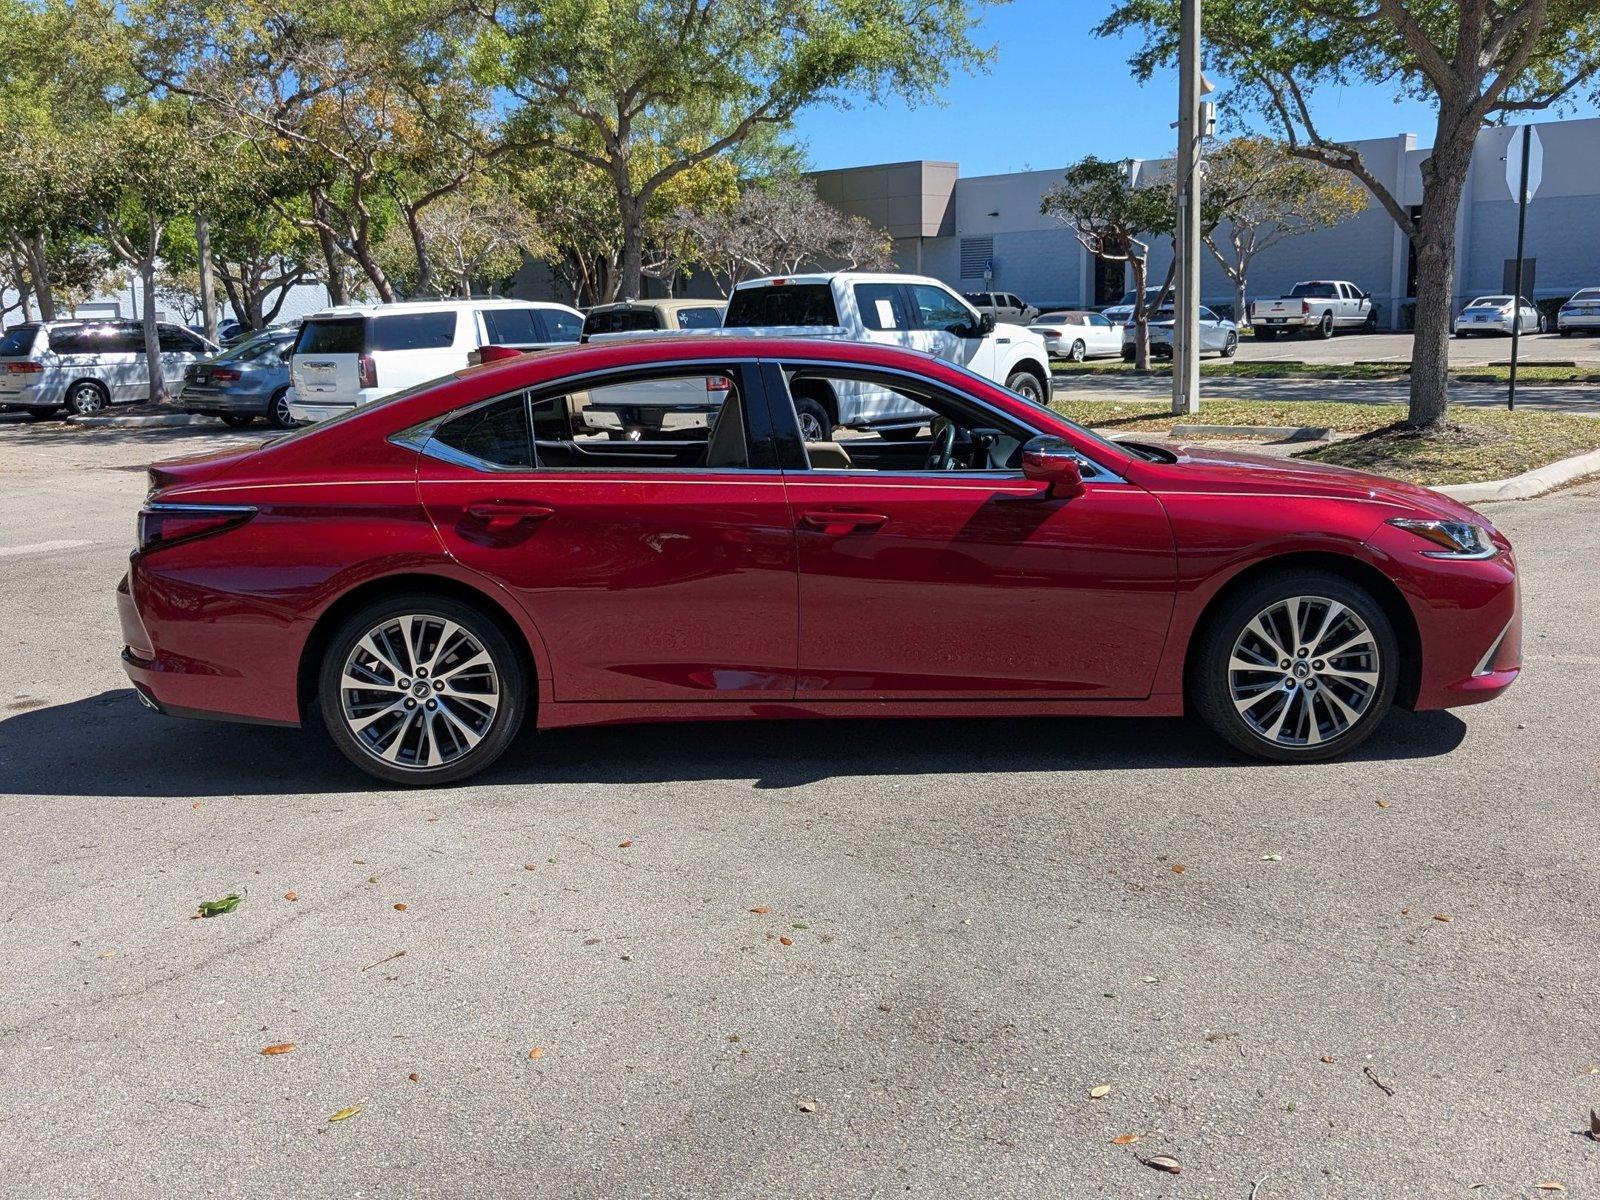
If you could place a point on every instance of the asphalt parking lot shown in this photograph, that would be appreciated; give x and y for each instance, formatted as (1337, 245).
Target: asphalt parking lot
(1396, 347)
(859, 959)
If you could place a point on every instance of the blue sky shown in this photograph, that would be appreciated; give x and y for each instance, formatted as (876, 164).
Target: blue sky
(1055, 94)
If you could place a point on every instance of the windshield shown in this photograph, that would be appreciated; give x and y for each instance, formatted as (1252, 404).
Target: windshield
(1313, 291)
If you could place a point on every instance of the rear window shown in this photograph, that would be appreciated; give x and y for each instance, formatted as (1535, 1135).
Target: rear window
(512, 327)
(699, 318)
(20, 340)
(620, 320)
(413, 331)
(1588, 295)
(1490, 302)
(1313, 291)
(561, 325)
(346, 335)
(782, 304)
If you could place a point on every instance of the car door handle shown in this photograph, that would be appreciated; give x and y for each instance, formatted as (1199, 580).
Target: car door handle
(837, 523)
(502, 516)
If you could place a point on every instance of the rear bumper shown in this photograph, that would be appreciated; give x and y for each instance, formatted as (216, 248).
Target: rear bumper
(1584, 323)
(311, 413)
(208, 400)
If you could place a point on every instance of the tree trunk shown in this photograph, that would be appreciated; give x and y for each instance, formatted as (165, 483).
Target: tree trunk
(331, 258)
(39, 269)
(630, 270)
(1444, 178)
(1141, 315)
(208, 275)
(152, 335)
(1239, 302)
(419, 245)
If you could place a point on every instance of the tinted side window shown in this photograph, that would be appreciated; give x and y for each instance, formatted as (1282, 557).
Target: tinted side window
(560, 325)
(97, 339)
(413, 331)
(881, 306)
(179, 341)
(20, 340)
(494, 433)
(699, 318)
(938, 309)
(794, 304)
(511, 327)
(343, 336)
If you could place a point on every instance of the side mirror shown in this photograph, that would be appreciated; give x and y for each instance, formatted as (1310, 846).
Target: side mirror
(1052, 461)
(984, 325)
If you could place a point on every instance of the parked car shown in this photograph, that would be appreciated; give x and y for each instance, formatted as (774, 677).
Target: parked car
(1581, 314)
(652, 407)
(909, 311)
(226, 330)
(639, 316)
(1319, 306)
(248, 380)
(1217, 335)
(499, 565)
(356, 354)
(1121, 312)
(1492, 314)
(1003, 306)
(1075, 334)
(85, 366)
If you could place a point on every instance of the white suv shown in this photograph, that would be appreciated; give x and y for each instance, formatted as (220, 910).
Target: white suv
(360, 353)
(911, 311)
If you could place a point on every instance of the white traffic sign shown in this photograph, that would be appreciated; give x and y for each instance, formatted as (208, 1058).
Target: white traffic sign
(1535, 161)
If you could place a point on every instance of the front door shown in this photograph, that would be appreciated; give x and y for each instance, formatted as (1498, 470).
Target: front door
(654, 570)
(932, 569)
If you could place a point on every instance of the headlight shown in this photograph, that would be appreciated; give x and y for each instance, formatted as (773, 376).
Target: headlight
(1455, 539)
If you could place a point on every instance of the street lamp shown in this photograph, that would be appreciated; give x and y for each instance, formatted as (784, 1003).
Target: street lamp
(1195, 120)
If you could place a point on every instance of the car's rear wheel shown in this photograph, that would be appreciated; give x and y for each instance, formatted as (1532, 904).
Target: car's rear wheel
(1077, 352)
(237, 420)
(1325, 326)
(1026, 384)
(86, 397)
(278, 414)
(421, 690)
(1296, 667)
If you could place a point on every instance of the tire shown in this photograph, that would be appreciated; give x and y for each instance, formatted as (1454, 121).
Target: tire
(86, 397)
(1129, 354)
(815, 423)
(1542, 328)
(1026, 384)
(1231, 346)
(236, 420)
(278, 415)
(39, 414)
(493, 720)
(1077, 352)
(1264, 334)
(1325, 326)
(1279, 730)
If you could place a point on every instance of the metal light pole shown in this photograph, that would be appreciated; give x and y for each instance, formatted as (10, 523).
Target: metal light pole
(1186, 244)
(1516, 287)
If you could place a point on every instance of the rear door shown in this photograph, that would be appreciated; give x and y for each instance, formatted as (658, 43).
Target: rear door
(655, 571)
(327, 360)
(408, 348)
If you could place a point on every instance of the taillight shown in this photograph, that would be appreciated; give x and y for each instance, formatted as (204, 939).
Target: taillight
(1051, 332)
(369, 372)
(163, 525)
(1305, 308)
(718, 383)
(24, 368)
(226, 375)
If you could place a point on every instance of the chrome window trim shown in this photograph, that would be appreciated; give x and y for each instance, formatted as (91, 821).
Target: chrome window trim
(163, 506)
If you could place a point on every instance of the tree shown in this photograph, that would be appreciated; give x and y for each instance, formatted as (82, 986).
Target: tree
(1474, 60)
(1108, 211)
(688, 80)
(482, 232)
(1267, 195)
(778, 226)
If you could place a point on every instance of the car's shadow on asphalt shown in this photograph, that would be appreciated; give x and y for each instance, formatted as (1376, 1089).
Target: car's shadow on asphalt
(108, 745)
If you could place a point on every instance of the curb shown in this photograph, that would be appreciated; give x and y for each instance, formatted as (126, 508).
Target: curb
(1270, 433)
(1527, 485)
(146, 421)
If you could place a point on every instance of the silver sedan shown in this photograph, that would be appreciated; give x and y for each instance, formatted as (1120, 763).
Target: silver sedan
(1217, 335)
(1492, 314)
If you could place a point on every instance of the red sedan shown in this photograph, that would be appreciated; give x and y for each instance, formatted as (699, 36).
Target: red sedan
(425, 573)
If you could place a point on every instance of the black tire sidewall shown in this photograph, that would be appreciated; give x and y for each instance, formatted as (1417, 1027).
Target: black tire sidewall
(1028, 379)
(507, 663)
(813, 406)
(273, 418)
(1208, 683)
(1325, 326)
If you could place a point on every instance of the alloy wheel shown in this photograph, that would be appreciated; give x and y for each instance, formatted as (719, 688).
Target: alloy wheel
(85, 400)
(418, 691)
(1304, 671)
(811, 429)
(1078, 352)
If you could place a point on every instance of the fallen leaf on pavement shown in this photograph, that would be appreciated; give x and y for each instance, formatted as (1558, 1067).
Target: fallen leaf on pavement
(1445, 917)
(399, 908)
(360, 862)
(1383, 804)
(1125, 1139)
(1327, 1058)
(1272, 858)
(808, 1106)
(1178, 868)
(1164, 1162)
(761, 910)
(344, 1114)
(278, 1048)
(291, 896)
(215, 908)
(784, 941)
(624, 845)
(1100, 1092)
(1551, 1185)
(1594, 1126)
(414, 1077)
(1405, 912)
(528, 867)
(197, 804)
(536, 1052)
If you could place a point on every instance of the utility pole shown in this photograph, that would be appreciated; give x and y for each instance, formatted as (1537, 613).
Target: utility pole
(1186, 301)
(1516, 287)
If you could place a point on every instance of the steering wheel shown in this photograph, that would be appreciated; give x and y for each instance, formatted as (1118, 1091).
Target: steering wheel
(941, 454)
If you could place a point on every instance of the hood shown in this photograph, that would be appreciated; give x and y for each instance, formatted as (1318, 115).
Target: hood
(1228, 470)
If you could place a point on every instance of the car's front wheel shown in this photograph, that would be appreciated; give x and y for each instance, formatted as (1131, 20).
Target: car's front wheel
(1026, 384)
(421, 690)
(1296, 667)
(1231, 346)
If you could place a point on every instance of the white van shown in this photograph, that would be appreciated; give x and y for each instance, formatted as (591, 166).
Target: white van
(360, 353)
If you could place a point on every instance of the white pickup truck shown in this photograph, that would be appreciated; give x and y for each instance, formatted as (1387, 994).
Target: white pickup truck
(911, 311)
(1317, 306)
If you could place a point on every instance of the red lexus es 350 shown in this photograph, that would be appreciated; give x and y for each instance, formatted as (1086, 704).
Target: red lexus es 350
(639, 532)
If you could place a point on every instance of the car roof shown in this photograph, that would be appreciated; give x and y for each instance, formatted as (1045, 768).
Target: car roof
(663, 305)
(842, 276)
(424, 306)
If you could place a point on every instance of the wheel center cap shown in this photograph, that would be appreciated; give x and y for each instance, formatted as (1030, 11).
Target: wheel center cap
(1301, 670)
(419, 688)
